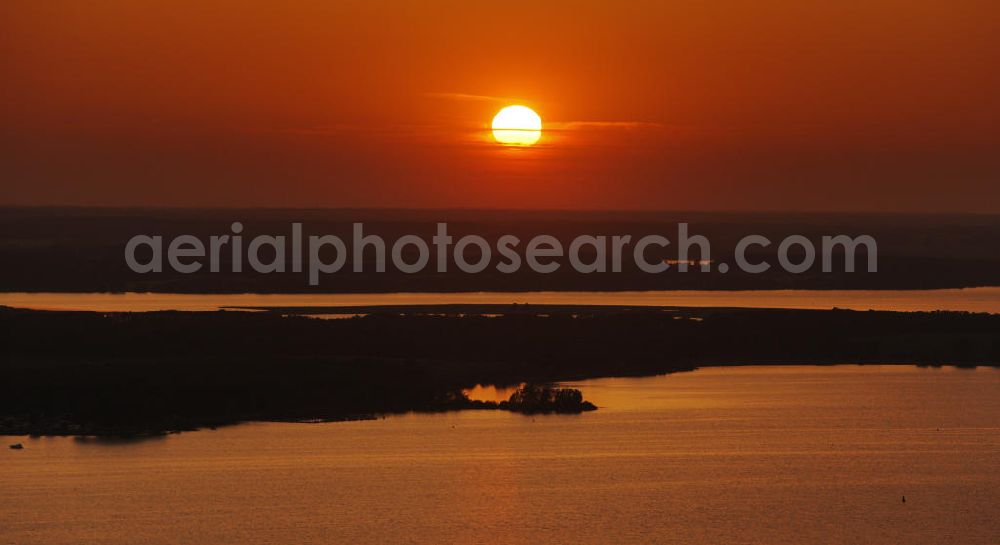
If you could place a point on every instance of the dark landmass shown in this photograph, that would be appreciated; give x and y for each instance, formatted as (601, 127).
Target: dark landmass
(82, 249)
(87, 373)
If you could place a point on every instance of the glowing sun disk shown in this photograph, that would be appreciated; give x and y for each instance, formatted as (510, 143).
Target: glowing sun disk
(517, 126)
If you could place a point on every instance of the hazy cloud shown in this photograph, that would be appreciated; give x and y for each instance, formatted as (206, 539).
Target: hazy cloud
(471, 97)
(574, 125)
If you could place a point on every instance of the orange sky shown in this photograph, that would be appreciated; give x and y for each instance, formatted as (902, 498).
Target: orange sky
(886, 105)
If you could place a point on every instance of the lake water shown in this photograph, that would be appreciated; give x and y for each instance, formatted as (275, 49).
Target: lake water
(969, 299)
(764, 455)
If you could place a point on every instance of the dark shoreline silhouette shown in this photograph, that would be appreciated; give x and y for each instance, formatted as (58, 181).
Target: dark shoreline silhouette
(87, 373)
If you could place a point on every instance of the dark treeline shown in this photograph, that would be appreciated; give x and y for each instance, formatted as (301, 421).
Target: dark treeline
(81, 249)
(84, 372)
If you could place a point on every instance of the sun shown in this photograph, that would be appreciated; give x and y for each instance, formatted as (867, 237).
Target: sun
(517, 126)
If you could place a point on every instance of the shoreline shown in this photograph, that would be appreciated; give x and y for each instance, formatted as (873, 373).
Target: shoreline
(111, 434)
(89, 373)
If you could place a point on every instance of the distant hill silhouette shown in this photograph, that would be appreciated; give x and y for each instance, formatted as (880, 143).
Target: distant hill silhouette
(82, 249)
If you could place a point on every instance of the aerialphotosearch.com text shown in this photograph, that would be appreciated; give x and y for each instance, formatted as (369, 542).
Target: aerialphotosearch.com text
(320, 255)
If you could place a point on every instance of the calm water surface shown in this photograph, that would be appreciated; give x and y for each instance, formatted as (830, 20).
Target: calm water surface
(766, 455)
(969, 299)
